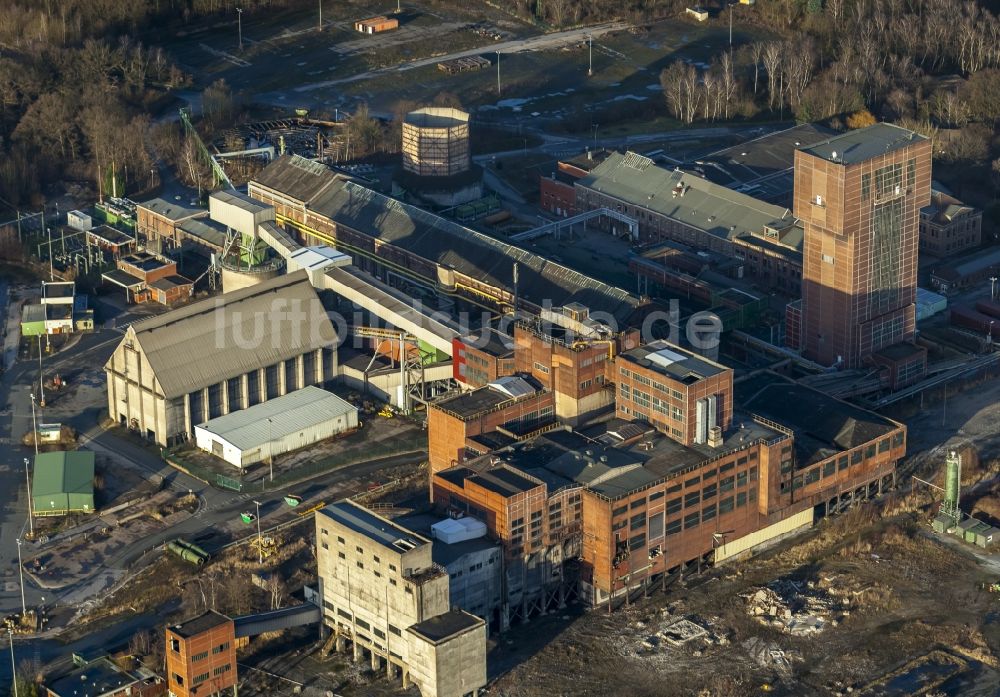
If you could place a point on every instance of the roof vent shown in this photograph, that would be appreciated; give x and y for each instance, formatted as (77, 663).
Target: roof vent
(834, 155)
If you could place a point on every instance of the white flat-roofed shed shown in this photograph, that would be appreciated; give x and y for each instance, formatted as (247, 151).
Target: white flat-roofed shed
(277, 426)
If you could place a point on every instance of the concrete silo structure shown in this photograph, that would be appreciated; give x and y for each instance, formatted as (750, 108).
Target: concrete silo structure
(437, 160)
(246, 259)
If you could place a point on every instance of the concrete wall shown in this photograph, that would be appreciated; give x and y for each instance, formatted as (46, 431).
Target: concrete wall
(454, 667)
(134, 393)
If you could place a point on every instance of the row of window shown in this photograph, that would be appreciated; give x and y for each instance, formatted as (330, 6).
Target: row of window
(831, 467)
(644, 380)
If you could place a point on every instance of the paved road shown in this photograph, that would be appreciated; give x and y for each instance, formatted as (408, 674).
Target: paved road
(532, 43)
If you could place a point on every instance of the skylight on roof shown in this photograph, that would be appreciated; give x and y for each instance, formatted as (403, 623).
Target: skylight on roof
(664, 357)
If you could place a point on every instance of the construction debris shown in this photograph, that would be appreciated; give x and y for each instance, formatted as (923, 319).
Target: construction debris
(799, 609)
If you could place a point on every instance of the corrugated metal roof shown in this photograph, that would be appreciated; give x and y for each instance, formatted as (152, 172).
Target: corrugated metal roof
(219, 338)
(685, 197)
(469, 252)
(241, 201)
(288, 414)
(438, 240)
(295, 177)
(63, 473)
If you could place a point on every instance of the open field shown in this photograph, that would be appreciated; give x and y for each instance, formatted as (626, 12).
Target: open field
(286, 62)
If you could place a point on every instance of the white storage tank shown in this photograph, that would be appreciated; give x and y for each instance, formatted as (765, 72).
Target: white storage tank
(452, 530)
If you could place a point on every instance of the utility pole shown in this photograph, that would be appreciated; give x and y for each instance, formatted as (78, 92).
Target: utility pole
(13, 668)
(590, 67)
(239, 28)
(52, 273)
(27, 478)
(498, 73)
(260, 546)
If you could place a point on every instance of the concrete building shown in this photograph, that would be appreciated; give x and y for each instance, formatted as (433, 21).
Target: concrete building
(382, 592)
(948, 226)
(859, 196)
(103, 677)
(252, 345)
(201, 656)
(474, 562)
(280, 425)
(157, 221)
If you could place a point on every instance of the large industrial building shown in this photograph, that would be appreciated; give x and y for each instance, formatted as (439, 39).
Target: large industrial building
(859, 197)
(251, 345)
(410, 248)
(693, 468)
(382, 592)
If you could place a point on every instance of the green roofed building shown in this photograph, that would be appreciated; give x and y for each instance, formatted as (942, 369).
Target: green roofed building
(63, 483)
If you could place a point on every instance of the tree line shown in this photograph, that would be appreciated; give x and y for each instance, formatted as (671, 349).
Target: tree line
(934, 64)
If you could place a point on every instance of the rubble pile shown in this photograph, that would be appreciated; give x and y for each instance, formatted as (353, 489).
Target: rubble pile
(665, 630)
(800, 609)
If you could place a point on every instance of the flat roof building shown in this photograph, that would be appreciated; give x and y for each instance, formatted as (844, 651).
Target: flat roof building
(280, 425)
(201, 656)
(103, 677)
(859, 197)
(382, 592)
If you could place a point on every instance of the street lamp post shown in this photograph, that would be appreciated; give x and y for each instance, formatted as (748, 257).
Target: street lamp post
(20, 573)
(993, 288)
(27, 479)
(590, 66)
(498, 73)
(270, 449)
(239, 25)
(34, 423)
(990, 337)
(260, 546)
(41, 378)
(320, 15)
(13, 667)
